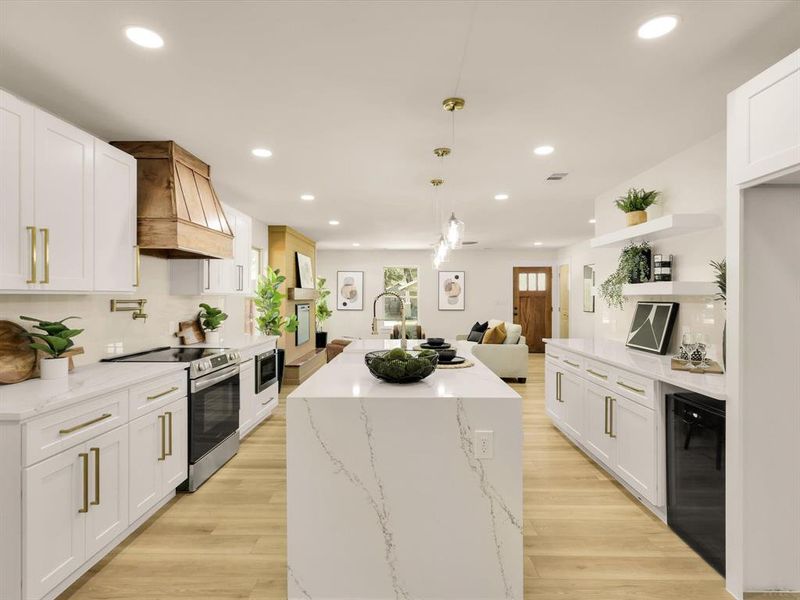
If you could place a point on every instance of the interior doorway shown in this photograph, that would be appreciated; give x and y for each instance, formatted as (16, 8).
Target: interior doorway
(533, 304)
(563, 301)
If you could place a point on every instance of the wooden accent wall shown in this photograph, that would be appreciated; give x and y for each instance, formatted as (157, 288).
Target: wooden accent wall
(284, 243)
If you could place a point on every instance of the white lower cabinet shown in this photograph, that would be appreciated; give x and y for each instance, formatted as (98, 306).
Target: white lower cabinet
(247, 397)
(74, 504)
(621, 432)
(158, 455)
(266, 402)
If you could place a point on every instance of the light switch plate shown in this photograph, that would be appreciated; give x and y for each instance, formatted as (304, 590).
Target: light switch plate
(484, 444)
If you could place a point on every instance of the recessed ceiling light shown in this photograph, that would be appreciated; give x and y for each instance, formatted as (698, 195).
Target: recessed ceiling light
(501, 196)
(261, 152)
(307, 197)
(356, 244)
(537, 243)
(655, 28)
(333, 222)
(146, 38)
(592, 221)
(543, 150)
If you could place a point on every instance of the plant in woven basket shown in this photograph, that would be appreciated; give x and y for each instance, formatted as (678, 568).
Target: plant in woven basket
(268, 300)
(634, 265)
(636, 200)
(211, 317)
(56, 339)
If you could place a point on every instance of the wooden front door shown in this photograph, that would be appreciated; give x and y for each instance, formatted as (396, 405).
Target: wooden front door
(533, 304)
(563, 301)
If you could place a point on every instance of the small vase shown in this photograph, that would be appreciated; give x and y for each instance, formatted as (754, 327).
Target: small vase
(212, 338)
(637, 217)
(53, 368)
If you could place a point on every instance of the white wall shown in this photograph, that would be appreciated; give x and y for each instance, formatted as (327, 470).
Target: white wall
(114, 333)
(488, 278)
(692, 181)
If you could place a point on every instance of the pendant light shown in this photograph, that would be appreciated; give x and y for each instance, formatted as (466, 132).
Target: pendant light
(454, 228)
(440, 248)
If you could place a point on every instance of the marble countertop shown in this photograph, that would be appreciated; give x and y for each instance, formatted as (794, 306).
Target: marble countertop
(653, 366)
(347, 376)
(21, 401)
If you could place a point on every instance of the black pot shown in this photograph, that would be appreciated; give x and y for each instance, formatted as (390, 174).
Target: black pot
(634, 278)
(322, 339)
(281, 361)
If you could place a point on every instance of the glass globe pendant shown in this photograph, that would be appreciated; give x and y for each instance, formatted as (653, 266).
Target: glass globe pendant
(455, 232)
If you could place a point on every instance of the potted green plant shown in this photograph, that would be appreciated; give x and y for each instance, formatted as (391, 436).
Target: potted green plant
(211, 319)
(268, 300)
(721, 279)
(322, 312)
(633, 267)
(635, 203)
(54, 342)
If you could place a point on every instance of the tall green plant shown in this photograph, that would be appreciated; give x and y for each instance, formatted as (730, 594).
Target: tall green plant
(211, 317)
(633, 265)
(56, 339)
(323, 311)
(637, 200)
(268, 301)
(721, 279)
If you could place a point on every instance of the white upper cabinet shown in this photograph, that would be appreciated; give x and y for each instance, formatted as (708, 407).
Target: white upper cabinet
(64, 204)
(764, 123)
(17, 225)
(115, 252)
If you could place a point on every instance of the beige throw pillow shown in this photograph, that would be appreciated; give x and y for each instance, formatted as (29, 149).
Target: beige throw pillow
(495, 335)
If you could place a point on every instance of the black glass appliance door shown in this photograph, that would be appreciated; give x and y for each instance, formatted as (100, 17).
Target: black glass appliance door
(214, 406)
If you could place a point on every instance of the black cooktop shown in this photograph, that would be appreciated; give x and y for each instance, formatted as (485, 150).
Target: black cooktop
(167, 354)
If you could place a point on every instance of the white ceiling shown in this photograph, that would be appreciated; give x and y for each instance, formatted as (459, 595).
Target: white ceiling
(348, 97)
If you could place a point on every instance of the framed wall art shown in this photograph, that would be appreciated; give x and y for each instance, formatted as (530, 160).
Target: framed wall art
(350, 290)
(651, 327)
(452, 290)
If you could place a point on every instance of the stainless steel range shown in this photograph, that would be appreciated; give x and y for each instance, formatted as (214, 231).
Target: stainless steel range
(213, 405)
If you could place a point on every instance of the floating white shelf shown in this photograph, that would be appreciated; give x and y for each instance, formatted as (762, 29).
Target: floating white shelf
(670, 288)
(660, 228)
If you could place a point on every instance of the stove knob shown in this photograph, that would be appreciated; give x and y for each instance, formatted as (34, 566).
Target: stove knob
(201, 367)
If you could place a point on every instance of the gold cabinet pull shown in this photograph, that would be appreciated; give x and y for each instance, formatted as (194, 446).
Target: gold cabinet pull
(611, 417)
(571, 364)
(558, 386)
(102, 417)
(596, 374)
(138, 256)
(556, 356)
(169, 418)
(85, 458)
(32, 231)
(164, 393)
(96, 452)
(163, 437)
(46, 233)
(630, 387)
(605, 416)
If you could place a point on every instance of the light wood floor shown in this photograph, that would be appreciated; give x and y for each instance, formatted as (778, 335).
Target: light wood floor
(585, 537)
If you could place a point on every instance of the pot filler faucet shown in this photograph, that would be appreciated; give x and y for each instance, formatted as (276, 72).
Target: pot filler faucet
(403, 341)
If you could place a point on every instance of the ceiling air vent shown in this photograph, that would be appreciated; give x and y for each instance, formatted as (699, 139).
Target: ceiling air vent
(557, 176)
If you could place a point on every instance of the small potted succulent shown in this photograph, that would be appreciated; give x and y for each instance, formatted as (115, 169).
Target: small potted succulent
(322, 312)
(54, 342)
(633, 267)
(211, 318)
(635, 203)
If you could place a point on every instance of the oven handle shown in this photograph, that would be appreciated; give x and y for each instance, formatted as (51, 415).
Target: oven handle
(207, 382)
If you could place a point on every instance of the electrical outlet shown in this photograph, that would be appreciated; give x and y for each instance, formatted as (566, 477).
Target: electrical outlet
(484, 444)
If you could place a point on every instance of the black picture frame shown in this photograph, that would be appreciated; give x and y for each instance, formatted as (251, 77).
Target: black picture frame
(651, 326)
(304, 271)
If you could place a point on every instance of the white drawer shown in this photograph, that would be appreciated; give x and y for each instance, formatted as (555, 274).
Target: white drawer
(635, 387)
(599, 372)
(50, 434)
(266, 402)
(152, 395)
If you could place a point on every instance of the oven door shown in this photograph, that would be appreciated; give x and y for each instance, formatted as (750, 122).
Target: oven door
(214, 407)
(266, 370)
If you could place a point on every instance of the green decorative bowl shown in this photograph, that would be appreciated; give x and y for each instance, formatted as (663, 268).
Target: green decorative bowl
(409, 367)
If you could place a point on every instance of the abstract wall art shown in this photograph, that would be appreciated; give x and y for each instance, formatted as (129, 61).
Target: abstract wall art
(452, 290)
(350, 290)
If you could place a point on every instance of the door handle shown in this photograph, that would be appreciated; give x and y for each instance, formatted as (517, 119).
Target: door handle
(611, 418)
(85, 458)
(96, 452)
(46, 233)
(163, 437)
(169, 434)
(558, 386)
(605, 416)
(32, 231)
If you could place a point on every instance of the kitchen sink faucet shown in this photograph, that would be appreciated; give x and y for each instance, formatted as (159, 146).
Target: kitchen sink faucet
(403, 341)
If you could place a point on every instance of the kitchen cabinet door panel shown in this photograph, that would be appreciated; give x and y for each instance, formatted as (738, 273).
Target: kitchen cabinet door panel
(144, 465)
(553, 404)
(108, 489)
(636, 446)
(596, 435)
(16, 194)
(247, 398)
(64, 204)
(175, 465)
(573, 404)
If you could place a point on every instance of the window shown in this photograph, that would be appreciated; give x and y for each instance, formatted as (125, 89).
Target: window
(532, 282)
(403, 281)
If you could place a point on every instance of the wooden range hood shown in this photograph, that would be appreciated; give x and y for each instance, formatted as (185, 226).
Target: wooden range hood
(179, 214)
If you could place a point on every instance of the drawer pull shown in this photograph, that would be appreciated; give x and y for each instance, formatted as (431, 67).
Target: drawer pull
(596, 374)
(571, 364)
(96, 452)
(556, 356)
(102, 417)
(267, 402)
(162, 394)
(630, 387)
(85, 458)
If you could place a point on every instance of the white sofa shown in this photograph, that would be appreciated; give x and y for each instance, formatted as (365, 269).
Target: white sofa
(508, 360)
